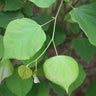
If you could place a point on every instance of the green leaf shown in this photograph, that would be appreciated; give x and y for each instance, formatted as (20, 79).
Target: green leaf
(41, 19)
(84, 49)
(13, 5)
(6, 17)
(6, 69)
(1, 2)
(61, 70)
(59, 37)
(91, 91)
(78, 81)
(57, 89)
(25, 62)
(27, 37)
(85, 16)
(43, 3)
(67, 17)
(28, 10)
(4, 90)
(18, 86)
(24, 72)
(39, 89)
(93, 1)
(1, 47)
(67, 0)
(74, 27)
(40, 71)
(0, 30)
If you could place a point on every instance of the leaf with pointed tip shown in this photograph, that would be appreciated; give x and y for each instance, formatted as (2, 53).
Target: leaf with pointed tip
(85, 16)
(24, 72)
(78, 81)
(61, 70)
(57, 89)
(27, 37)
(6, 69)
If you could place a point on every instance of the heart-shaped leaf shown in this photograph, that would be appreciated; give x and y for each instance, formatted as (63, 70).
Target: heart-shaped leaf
(24, 72)
(27, 37)
(61, 70)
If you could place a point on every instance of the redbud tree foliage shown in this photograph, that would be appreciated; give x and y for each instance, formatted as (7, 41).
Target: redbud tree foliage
(27, 36)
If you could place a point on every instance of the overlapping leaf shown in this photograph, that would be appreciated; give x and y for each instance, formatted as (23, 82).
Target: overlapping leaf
(24, 72)
(4, 90)
(6, 17)
(18, 86)
(1, 47)
(39, 89)
(43, 3)
(6, 69)
(61, 70)
(78, 81)
(91, 91)
(27, 37)
(28, 10)
(43, 18)
(57, 89)
(85, 16)
(13, 5)
(60, 35)
(84, 49)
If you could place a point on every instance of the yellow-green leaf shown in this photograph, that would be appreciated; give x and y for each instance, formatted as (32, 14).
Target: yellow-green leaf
(24, 72)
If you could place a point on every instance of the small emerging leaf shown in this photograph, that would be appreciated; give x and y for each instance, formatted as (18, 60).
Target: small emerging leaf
(24, 72)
